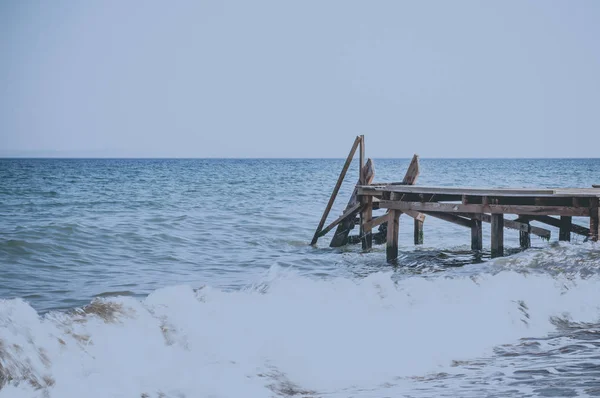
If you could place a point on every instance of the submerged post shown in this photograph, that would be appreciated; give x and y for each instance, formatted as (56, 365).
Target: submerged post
(594, 220)
(497, 235)
(524, 236)
(393, 228)
(564, 233)
(476, 233)
(418, 231)
(366, 217)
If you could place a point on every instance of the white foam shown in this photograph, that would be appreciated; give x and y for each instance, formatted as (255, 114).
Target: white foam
(333, 337)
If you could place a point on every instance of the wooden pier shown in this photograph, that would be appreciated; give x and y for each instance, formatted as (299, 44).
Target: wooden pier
(468, 207)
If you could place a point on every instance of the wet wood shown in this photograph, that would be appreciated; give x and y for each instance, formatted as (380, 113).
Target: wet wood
(594, 221)
(476, 233)
(335, 191)
(524, 235)
(455, 219)
(377, 221)
(521, 226)
(340, 238)
(576, 229)
(418, 232)
(497, 235)
(564, 233)
(393, 227)
(366, 216)
(348, 214)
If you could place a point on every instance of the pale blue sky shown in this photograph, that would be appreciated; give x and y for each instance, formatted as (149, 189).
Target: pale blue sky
(300, 79)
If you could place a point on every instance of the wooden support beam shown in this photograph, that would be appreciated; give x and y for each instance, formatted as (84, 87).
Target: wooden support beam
(349, 213)
(418, 231)
(335, 191)
(377, 221)
(361, 176)
(484, 208)
(497, 235)
(524, 235)
(415, 214)
(576, 229)
(366, 215)
(340, 238)
(594, 220)
(476, 233)
(412, 173)
(462, 221)
(391, 249)
(564, 233)
(520, 225)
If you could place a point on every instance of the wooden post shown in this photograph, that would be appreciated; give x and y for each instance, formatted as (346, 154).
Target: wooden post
(476, 234)
(335, 191)
(594, 220)
(564, 233)
(361, 176)
(366, 217)
(524, 236)
(418, 231)
(497, 235)
(391, 249)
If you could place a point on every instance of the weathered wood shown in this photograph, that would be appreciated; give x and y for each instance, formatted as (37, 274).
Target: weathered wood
(349, 213)
(576, 229)
(564, 233)
(413, 171)
(500, 192)
(335, 191)
(361, 164)
(418, 232)
(594, 221)
(393, 228)
(340, 238)
(462, 221)
(524, 235)
(377, 221)
(415, 214)
(497, 235)
(476, 233)
(366, 215)
(480, 208)
(520, 226)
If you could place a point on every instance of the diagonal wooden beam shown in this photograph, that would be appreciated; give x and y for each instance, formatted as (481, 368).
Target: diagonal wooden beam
(336, 189)
(576, 229)
(348, 213)
(462, 221)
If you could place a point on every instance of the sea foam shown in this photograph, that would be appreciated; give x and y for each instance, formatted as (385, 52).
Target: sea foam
(288, 335)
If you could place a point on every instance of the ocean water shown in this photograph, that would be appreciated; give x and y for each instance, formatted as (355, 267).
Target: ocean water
(194, 278)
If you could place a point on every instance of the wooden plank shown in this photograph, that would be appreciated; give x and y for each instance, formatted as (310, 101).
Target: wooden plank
(412, 173)
(525, 235)
(418, 232)
(349, 213)
(481, 208)
(497, 235)
(415, 214)
(476, 234)
(335, 191)
(564, 233)
(462, 221)
(391, 249)
(501, 192)
(366, 216)
(340, 238)
(576, 229)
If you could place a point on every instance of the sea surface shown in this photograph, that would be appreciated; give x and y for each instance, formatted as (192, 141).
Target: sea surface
(178, 278)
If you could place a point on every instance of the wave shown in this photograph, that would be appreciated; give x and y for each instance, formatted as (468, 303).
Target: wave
(286, 336)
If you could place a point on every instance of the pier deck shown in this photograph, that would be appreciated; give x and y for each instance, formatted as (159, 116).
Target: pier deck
(464, 206)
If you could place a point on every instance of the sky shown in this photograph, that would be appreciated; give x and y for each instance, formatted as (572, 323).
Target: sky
(301, 79)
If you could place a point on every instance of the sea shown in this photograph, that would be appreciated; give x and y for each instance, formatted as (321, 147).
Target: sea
(173, 278)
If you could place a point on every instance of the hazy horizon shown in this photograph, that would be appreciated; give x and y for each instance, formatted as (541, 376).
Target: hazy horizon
(267, 79)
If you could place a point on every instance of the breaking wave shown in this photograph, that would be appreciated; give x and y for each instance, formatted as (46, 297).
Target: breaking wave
(286, 336)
